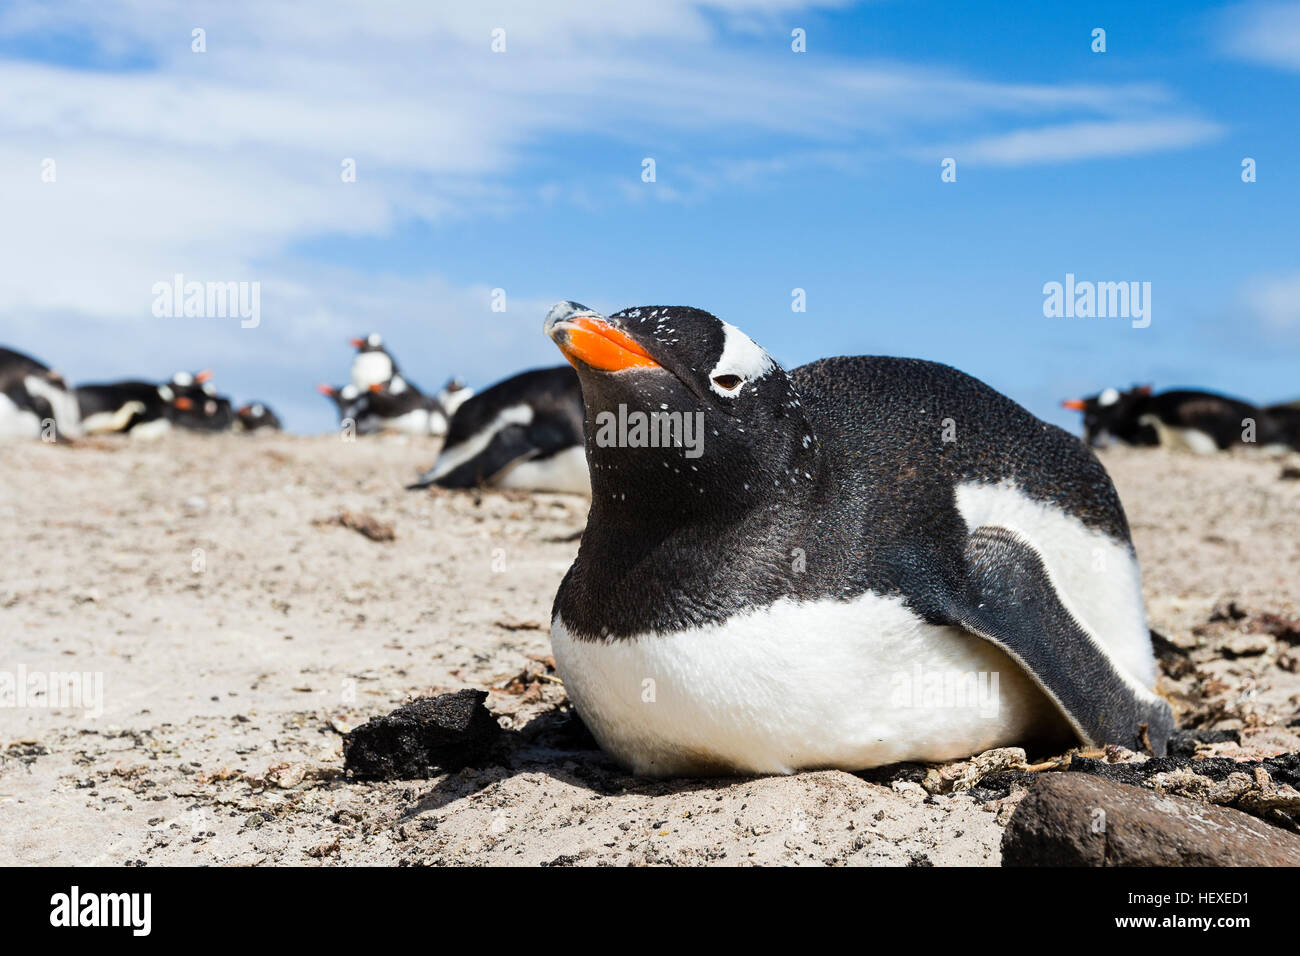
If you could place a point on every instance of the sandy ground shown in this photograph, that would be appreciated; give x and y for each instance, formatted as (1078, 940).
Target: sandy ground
(240, 629)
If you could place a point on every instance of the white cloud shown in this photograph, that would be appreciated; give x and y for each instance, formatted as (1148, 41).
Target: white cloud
(1267, 33)
(1273, 303)
(1072, 142)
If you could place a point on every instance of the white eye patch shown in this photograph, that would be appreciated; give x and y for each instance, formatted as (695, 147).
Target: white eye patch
(741, 357)
(183, 379)
(165, 393)
(1108, 397)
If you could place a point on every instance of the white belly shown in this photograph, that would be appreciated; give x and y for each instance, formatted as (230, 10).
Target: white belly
(846, 685)
(67, 414)
(565, 471)
(851, 684)
(17, 422)
(371, 368)
(414, 422)
(1181, 439)
(151, 431)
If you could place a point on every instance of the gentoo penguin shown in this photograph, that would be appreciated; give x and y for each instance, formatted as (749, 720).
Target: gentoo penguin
(399, 406)
(453, 395)
(353, 406)
(1287, 418)
(197, 406)
(1197, 421)
(32, 394)
(524, 432)
(854, 539)
(143, 409)
(372, 364)
(255, 416)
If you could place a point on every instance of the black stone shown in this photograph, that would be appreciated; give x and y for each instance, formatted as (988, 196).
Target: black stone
(443, 733)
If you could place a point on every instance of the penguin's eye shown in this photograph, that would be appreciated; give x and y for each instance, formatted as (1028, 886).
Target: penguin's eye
(728, 383)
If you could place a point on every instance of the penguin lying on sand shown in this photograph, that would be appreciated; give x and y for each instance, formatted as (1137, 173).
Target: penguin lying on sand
(353, 406)
(1287, 418)
(401, 407)
(1197, 421)
(255, 416)
(197, 405)
(142, 409)
(32, 394)
(524, 432)
(854, 531)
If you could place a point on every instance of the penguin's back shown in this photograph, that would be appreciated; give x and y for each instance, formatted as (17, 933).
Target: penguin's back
(908, 433)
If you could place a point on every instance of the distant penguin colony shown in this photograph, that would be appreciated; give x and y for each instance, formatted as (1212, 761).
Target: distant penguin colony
(32, 395)
(524, 432)
(1197, 421)
(784, 596)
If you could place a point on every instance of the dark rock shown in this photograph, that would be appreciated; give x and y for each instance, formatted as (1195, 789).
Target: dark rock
(1227, 612)
(1284, 769)
(1182, 743)
(1283, 628)
(445, 733)
(1070, 819)
(895, 772)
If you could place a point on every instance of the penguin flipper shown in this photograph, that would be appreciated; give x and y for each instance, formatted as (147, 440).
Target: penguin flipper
(1011, 602)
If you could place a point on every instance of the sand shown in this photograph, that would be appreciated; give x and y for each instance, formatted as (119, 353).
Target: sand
(241, 628)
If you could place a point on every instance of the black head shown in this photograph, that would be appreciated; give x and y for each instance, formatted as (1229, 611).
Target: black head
(1114, 415)
(374, 342)
(685, 414)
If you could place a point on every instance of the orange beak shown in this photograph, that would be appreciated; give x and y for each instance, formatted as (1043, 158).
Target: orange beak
(203, 376)
(357, 343)
(325, 389)
(1074, 404)
(377, 387)
(184, 404)
(597, 344)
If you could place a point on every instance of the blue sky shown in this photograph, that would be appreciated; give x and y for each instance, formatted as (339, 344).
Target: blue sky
(775, 170)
